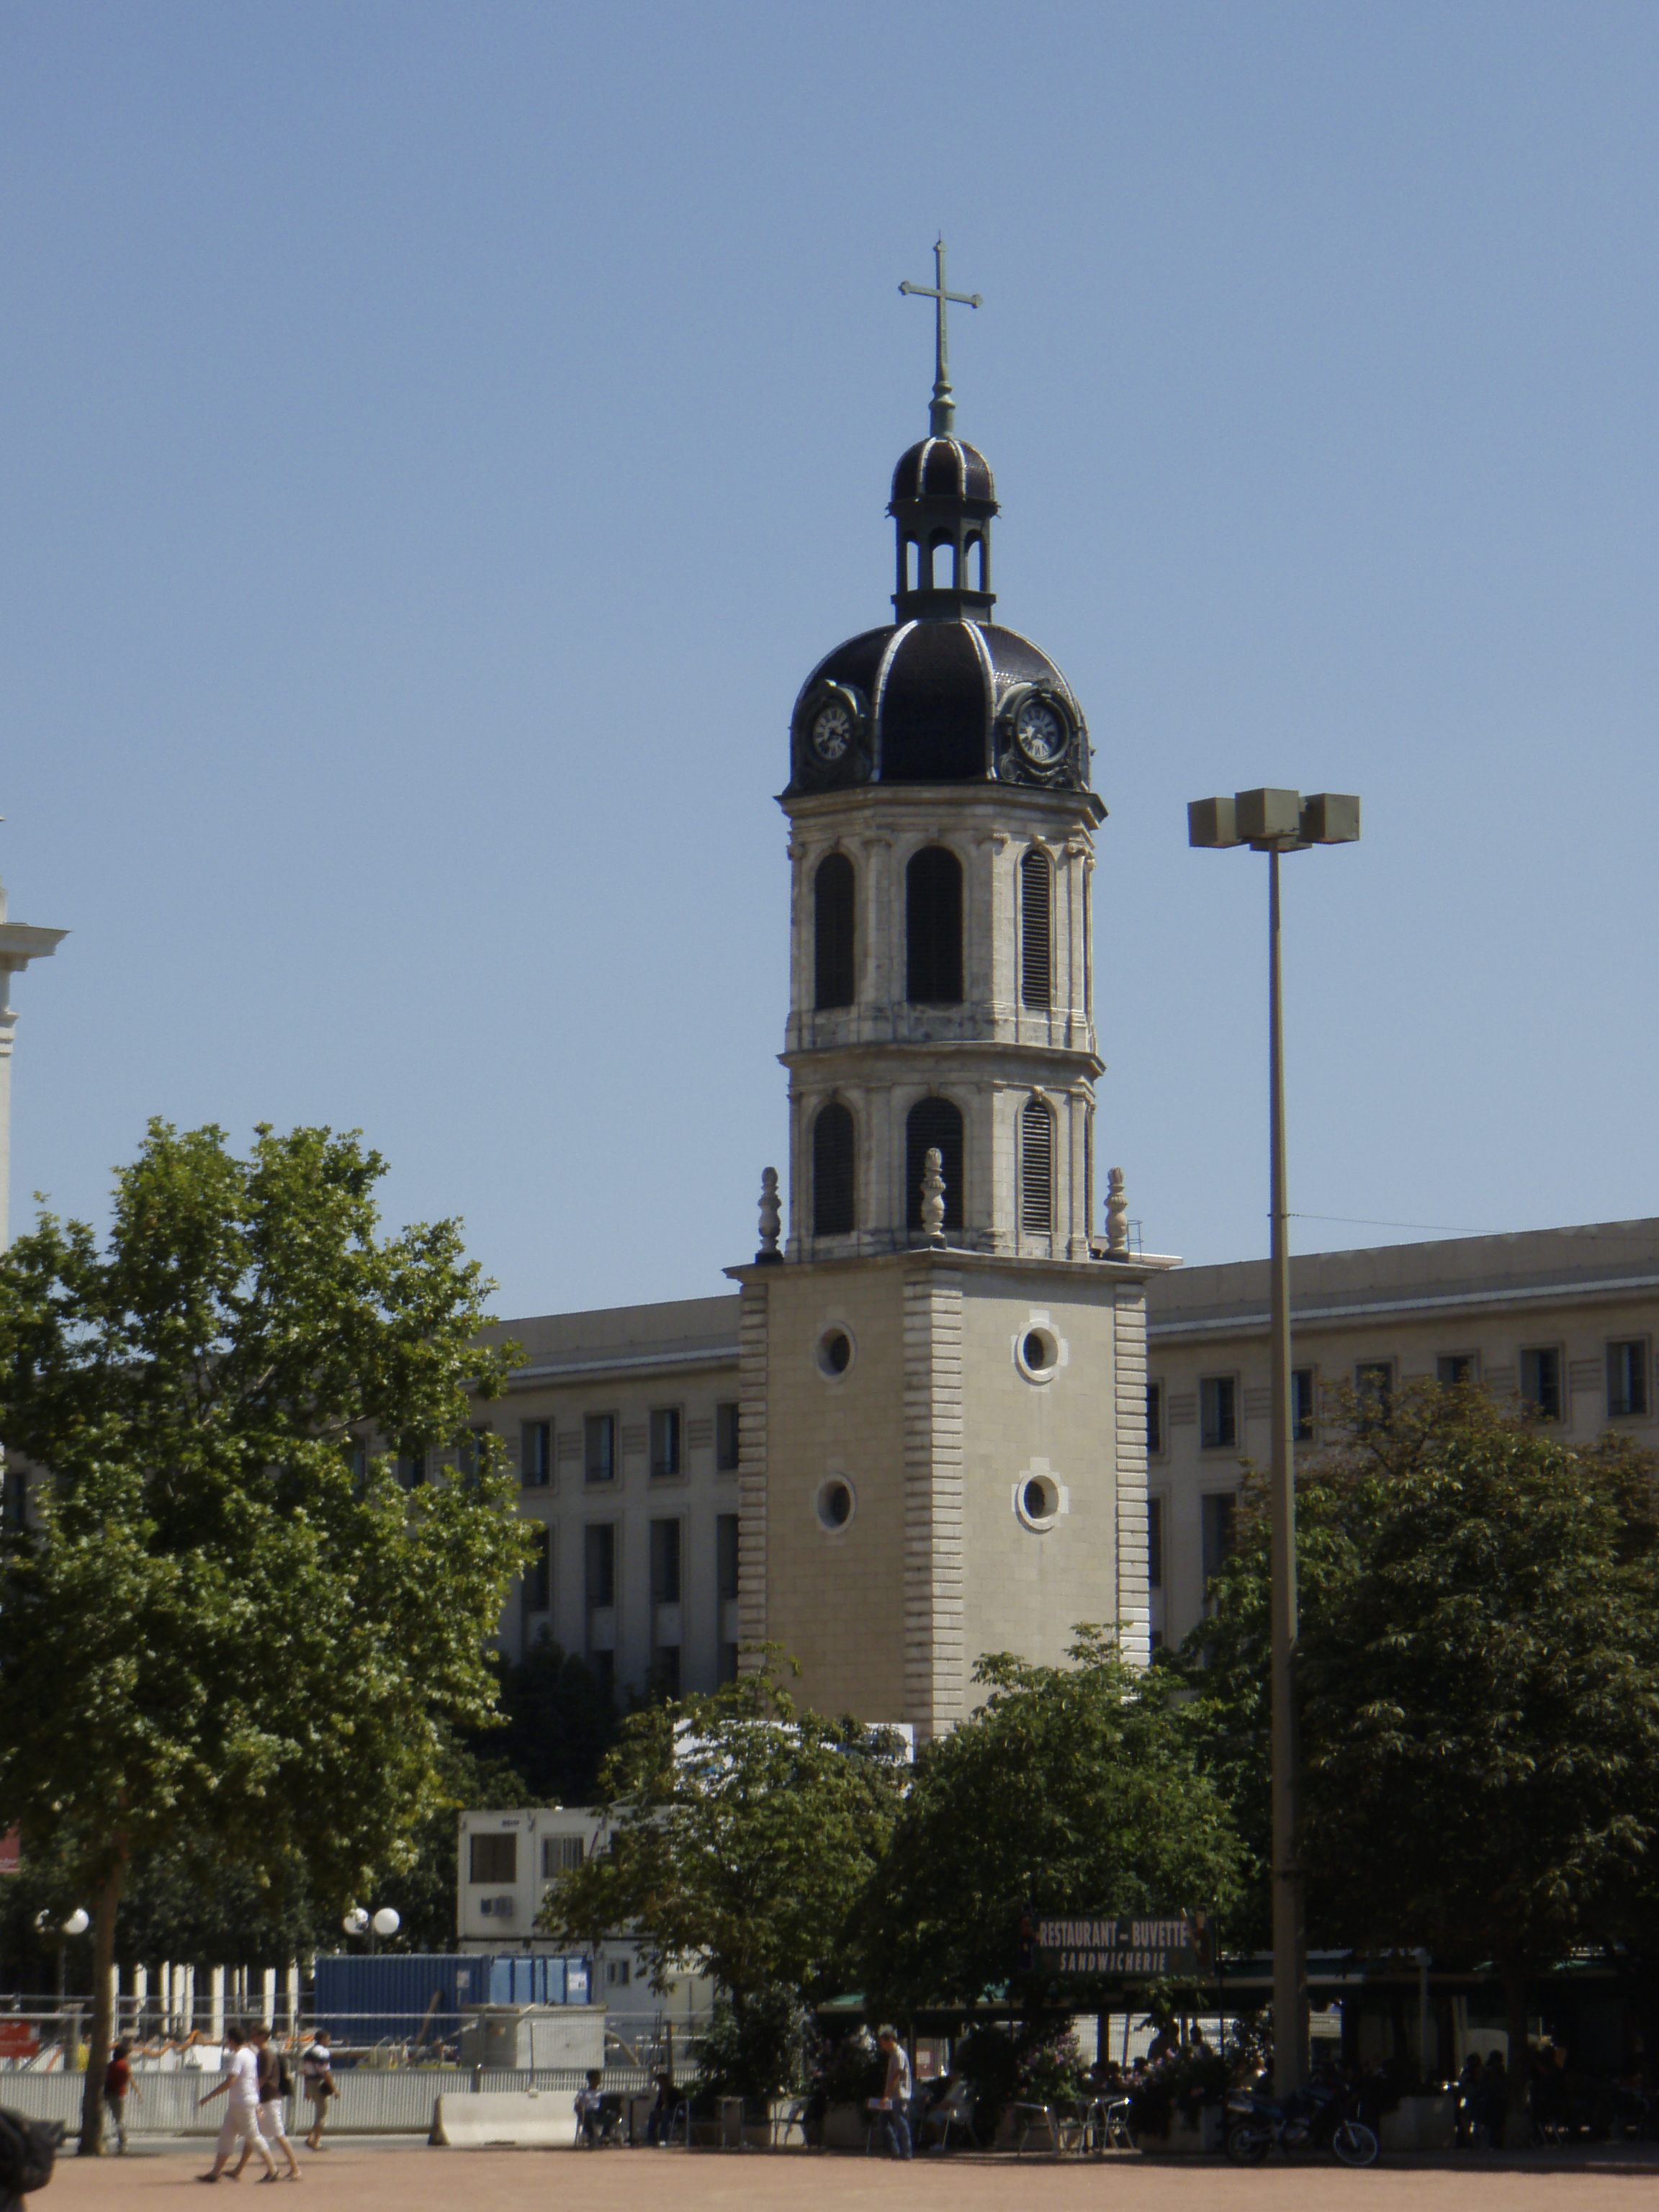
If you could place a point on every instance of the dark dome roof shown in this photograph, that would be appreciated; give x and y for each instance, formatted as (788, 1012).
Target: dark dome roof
(944, 468)
(932, 696)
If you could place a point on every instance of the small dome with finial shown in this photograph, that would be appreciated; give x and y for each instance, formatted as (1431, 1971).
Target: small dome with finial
(944, 468)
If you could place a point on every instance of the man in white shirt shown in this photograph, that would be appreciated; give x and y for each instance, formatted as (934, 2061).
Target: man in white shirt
(242, 2125)
(896, 2096)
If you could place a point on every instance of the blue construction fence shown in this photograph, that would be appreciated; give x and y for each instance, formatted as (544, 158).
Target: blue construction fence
(418, 1997)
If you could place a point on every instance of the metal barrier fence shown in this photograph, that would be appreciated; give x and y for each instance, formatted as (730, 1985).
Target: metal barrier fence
(371, 2100)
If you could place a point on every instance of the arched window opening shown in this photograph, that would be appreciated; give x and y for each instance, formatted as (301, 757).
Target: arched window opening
(911, 564)
(833, 976)
(943, 563)
(1036, 1168)
(832, 1172)
(933, 1122)
(933, 913)
(1035, 929)
(975, 577)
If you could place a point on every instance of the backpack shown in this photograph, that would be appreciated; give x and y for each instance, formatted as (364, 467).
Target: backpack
(28, 2148)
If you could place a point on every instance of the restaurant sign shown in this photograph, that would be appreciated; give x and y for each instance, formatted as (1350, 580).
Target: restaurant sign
(1175, 1947)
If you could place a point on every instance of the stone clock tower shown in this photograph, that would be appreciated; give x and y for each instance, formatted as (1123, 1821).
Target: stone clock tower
(943, 1427)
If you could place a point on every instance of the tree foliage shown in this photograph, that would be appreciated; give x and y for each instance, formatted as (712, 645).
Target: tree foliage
(229, 1620)
(558, 1724)
(745, 1833)
(1478, 1685)
(1073, 1790)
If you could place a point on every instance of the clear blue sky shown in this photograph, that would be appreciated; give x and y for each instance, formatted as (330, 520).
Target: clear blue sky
(438, 439)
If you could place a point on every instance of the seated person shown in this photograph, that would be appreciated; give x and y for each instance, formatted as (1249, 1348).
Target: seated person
(590, 2107)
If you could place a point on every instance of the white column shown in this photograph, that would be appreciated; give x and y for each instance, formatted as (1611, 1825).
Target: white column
(188, 2008)
(217, 2019)
(293, 1995)
(164, 1987)
(268, 1997)
(140, 1994)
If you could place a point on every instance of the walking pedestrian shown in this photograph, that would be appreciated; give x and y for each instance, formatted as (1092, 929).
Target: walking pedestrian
(274, 2089)
(241, 2085)
(317, 2067)
(118, 2081)
(896, 2093)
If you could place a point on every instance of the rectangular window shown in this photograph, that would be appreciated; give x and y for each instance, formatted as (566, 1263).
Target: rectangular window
(1217, 1398)
(1627, 1379)
(358, 1461)
(1302, 1404)
(536, 1455)
(600, 1446)
(666, 1670)
(1454, 1369)
(1373, 1385)
(1218, 1511)
(601, 1564)
(665, 1442)
(537, 1588)
(1541, 1382)
(726, 1437)
(666, 1562)
(411, 1469)
(1154, 1417)
(493, 1858)
(14, 1501)
(561, 1855)
(472, 1454)
(726, 1557)
(602, 1665)
(1155, 1543)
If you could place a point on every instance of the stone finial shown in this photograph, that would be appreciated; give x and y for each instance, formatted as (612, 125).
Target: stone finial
(771, 1220)
(1117, 1216)
(932, 1196)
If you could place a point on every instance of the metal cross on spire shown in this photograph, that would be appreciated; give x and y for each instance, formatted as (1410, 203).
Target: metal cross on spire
(942, 415)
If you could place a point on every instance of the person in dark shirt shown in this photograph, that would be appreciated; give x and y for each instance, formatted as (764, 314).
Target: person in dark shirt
(118, 2081)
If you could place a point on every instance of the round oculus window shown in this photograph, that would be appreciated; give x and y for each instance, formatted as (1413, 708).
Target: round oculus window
(836, 1352)
(836, 1503)
(1037, 1500)
(1036, 1354)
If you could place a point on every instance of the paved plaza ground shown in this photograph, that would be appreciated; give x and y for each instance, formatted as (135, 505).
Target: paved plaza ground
(403, 2176)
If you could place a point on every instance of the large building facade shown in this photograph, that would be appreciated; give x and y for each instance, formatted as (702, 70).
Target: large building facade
(629, 1422)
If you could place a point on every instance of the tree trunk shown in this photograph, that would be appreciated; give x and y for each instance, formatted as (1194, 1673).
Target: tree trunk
(105, 1904)
(1517, 2128)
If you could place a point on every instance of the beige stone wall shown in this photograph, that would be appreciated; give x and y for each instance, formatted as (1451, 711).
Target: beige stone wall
(936, 1427)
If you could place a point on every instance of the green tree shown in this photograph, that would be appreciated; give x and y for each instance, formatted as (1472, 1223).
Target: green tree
(1478, 1687)
(229, 1620)
(559, 1722)
(745, 1833)
(1073, 1790)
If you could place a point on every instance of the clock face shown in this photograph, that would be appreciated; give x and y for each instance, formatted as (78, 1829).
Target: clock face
(1040, 733)
(832, 731)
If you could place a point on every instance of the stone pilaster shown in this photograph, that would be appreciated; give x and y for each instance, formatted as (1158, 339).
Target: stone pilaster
(752, 1351)
(1134, 1615)
(935, 1665)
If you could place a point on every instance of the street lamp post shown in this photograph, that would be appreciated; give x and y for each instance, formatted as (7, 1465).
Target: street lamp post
(387, 1922)
(1276, 822)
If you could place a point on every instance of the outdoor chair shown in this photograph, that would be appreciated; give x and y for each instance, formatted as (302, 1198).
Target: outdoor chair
(954, 2109)
(793, 2115)
(1109, 2119)
(1059, 2122)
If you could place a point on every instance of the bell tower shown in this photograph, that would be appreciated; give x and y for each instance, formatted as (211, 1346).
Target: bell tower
(942, 1422)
